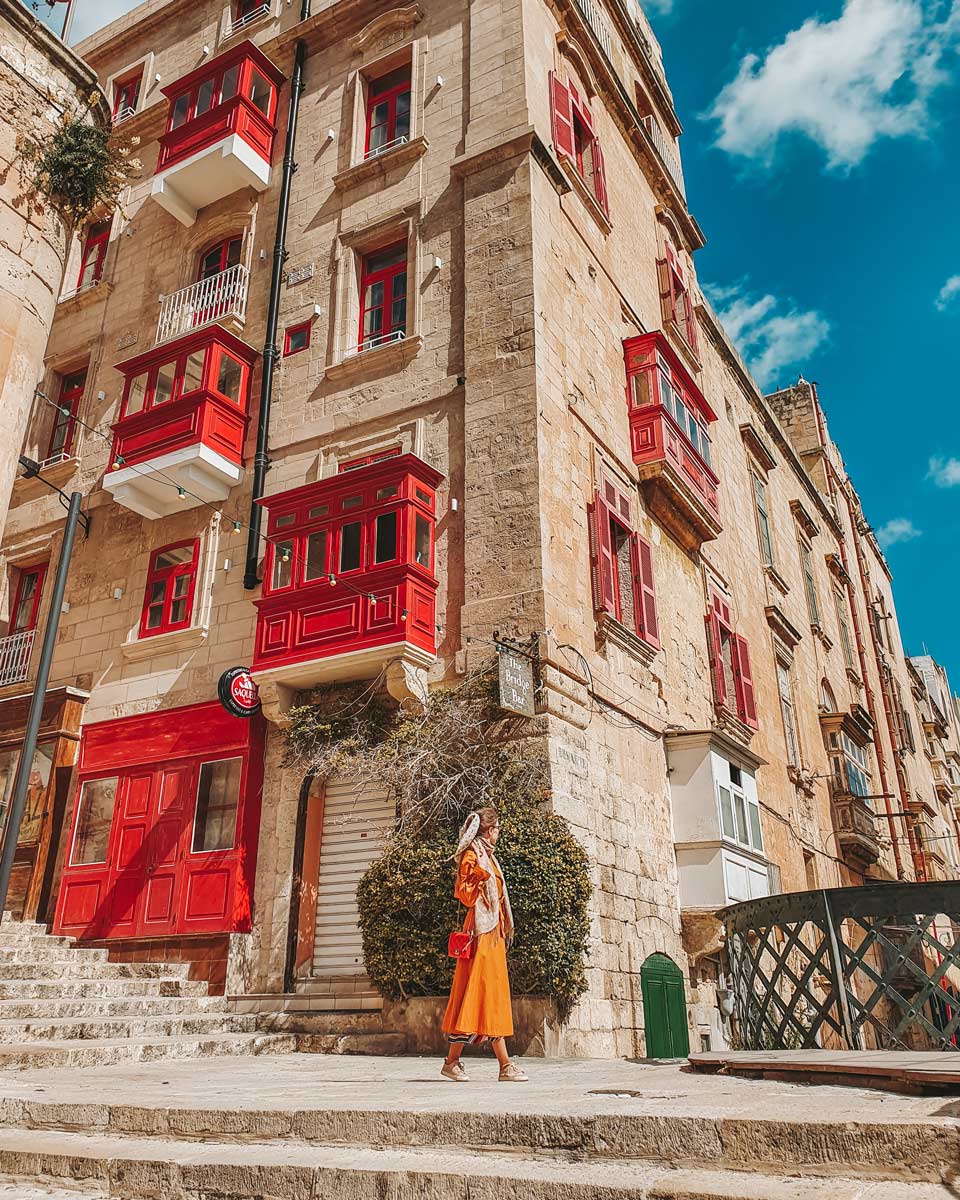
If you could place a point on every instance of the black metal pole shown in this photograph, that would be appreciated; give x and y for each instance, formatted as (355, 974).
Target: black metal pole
(261, 459)
(25, 765)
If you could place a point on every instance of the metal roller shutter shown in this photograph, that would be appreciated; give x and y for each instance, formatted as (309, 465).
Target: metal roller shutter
(357, 819)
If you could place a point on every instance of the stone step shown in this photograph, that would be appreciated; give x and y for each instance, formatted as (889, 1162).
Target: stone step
(314, 1022)
(47, 951)
(23, 941)
(109, 1051)
(133, 1006)
(187, 1170)
(347, 1042)
(39, 1189)
(336, 985)
(84, 1028)
(78, 968)
(48, 989)
(10, 927)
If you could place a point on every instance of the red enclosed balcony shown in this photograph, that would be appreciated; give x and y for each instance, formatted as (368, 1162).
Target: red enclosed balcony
(179, 440)
(349, 583)
(220, 132)
(669, 423)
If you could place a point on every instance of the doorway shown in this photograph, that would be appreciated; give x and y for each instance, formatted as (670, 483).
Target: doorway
(664, 1008)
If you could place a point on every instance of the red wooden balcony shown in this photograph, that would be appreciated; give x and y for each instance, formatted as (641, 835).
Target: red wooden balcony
(349, 583)
(669, 422)
(220, 132)
(179, 440)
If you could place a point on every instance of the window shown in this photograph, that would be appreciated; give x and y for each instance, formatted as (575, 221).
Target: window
(126, 96)
(218, 798)
(383, 296)
(809, 584)
(850, 765)
(845, 642)
(575, 139)
(828, 700)
(171, 581)
(810, 871)
(785, 687)
(94, 252)
(233, 81)
(657, 381)
(220, 258)
(210, 366)
(296, 338)
(388, 111)
(94, 818)
(26, 604)
(763, 520)
(378, 456)
(729, 657)
(739, 812)
(65, 418)
(675, 296)
(622, 566)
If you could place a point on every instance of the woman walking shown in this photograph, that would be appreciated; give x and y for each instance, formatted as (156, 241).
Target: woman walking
(479, 1006)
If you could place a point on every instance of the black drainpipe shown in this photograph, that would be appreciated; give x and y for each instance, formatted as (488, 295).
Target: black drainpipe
(261, 460)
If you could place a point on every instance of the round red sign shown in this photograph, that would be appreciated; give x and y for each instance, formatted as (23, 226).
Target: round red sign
(238, 692)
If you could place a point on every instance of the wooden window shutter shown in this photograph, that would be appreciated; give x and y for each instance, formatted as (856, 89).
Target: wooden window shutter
(668, 298)
(690, 322)
(645, 603)
(714, 654)
(561, 114)
(601, 557)
(721, 607)
(746, 695)
(600, 176)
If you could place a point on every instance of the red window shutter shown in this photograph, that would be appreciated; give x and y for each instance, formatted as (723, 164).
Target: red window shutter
(601, 557)
(668, 299)
(722, 608)
(714, 654)
(645, 596)
(599, 177)
(561, 113)
(746, 697)
(690, 324)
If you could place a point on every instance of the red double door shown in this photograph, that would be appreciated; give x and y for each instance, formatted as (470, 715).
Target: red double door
(164, 847)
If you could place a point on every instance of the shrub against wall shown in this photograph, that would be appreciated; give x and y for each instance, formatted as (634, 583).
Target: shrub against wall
(456, 754)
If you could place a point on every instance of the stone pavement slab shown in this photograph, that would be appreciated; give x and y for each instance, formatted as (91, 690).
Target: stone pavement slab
(913, 1070)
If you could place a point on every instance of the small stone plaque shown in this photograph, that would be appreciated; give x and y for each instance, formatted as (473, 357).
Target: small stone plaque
(299, 274)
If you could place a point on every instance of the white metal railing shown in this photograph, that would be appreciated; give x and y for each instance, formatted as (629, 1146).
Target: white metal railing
(595, 19)
(15, 656)
(123, 114)
(262, 10)
(377, 150)
(381, 339)
(665, 151)
(213, 299)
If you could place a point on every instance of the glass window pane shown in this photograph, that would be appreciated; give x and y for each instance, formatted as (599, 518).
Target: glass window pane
(388, 492)
(228, 378)
(97, 801)
(260, 93)
(193, 371)
(403, 115)
(218, 797)
(385, 542)
(350, 546)
(282, 565)
(422, 542)
(174, 558)
(135, 395)
(164, 387)
(740, 811)
(229, 88)
(316, 565)
(756, 837)
(726, 814)
(181, 107)
(204, 96)
(321, 510)
(386, 258)
(642, 396)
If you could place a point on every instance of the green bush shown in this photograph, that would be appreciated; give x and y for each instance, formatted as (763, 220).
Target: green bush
(407, 909)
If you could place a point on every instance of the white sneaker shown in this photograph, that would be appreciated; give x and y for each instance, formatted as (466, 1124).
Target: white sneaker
(455, 1072)
(511, 1073)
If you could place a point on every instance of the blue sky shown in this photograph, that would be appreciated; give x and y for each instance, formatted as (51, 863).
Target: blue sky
(822, 157)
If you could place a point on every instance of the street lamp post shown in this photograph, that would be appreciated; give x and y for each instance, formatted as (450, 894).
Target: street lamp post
(19, 798)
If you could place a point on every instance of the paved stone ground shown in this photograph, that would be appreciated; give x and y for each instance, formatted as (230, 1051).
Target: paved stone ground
(566, 1087)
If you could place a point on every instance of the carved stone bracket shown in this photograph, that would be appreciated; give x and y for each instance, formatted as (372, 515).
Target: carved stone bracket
(277, 700)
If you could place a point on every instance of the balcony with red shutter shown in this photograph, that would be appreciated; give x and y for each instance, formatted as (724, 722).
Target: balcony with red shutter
(220, 132)
(669, 422)
(179, 440)
(349, 583)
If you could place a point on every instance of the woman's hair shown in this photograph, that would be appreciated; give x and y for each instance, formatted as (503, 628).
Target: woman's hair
(488, 818)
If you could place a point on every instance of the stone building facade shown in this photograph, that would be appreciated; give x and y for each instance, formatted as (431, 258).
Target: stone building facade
(500, 406)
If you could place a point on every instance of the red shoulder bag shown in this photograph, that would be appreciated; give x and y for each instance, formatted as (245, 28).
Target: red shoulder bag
(460, 944)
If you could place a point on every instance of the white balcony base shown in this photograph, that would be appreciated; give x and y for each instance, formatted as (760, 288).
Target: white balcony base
(205, 476)
(405, 675)
(714, 874)
(209, 175)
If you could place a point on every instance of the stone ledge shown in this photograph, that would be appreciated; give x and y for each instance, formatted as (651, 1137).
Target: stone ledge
(371, 168)
(164, 643)
(388, 357)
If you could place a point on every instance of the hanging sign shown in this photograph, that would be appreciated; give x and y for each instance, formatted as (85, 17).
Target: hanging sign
(238, 693)
(517, 690)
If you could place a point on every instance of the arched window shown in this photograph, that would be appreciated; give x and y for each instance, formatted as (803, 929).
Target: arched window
(220, 257)
(827, 699)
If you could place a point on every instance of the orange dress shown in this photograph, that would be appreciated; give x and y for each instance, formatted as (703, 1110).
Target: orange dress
(479, 1001)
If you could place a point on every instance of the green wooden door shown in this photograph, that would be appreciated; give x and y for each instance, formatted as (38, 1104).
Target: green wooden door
(664, 1008)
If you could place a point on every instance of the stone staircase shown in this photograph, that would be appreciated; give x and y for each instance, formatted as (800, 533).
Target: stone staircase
(62, 1005)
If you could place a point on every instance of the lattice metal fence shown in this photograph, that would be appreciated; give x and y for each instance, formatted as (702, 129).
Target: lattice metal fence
(874, 967)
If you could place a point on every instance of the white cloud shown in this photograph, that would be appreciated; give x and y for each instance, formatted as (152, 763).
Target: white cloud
(945, 472)
(948, 293)
(770, 335)
(844, 84)
(896, 530)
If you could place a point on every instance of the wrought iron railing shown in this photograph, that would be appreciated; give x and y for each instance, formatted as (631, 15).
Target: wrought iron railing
(15, 656)
(376, 151)
(214, 299)
(872, 967)
(380, 339)
(597, 22)
(665, 151)
(241, 23)
(124, 114)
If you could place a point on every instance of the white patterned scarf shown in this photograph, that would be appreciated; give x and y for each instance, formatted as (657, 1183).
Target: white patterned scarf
(486, 912)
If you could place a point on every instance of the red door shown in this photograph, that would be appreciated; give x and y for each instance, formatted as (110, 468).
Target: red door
(127, 857)
(166, 846)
